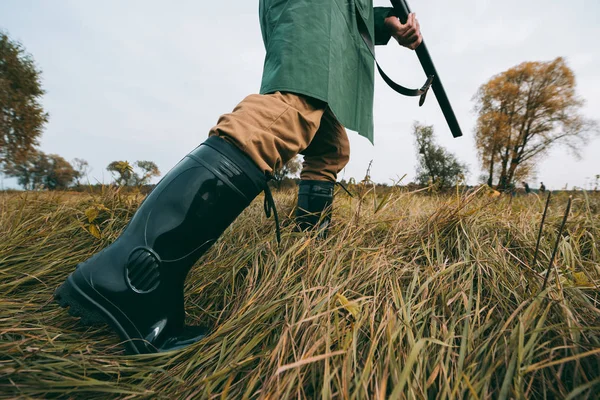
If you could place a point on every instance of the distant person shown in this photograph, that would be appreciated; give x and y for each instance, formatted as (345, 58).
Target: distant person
(542, 187)
(318, 79)
(526, 186)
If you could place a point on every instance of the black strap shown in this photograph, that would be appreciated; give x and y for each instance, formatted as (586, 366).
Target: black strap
(345, 188)
(270, 207)
(364, 33)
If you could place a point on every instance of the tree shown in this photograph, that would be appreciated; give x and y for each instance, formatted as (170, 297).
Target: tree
(122, 172)
(30, 172)
(522, 113)
(125, 175)
(82, 168)
(436, 164)
(43, 171)
(60, 174)
(22, 117)
(291, 168)
(149, 170)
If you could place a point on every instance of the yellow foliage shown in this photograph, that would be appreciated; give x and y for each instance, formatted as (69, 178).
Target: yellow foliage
(350, 306)
(522, 113)
(95, 231)
(91, 214)
(581, 280)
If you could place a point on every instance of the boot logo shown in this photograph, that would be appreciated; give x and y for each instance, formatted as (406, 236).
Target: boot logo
(143, 270)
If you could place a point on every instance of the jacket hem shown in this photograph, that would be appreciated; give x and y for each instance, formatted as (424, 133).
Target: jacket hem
(352, 127)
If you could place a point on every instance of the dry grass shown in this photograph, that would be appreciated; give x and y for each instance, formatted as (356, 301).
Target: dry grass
(411, 296)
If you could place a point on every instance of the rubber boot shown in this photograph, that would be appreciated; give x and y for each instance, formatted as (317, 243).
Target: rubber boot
(315, 201)
(136, 284)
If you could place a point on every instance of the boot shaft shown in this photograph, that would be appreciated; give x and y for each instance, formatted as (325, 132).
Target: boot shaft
(195, 202)
(315, 202)
(136, 283)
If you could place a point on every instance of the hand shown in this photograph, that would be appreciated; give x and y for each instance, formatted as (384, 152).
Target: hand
(408, 34)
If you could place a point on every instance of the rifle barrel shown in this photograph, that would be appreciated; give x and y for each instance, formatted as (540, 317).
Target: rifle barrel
(402, 11)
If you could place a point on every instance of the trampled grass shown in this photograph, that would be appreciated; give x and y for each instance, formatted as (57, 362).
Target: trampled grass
(411, 296)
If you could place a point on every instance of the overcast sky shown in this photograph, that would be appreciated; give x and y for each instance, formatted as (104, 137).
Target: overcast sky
(146, 80)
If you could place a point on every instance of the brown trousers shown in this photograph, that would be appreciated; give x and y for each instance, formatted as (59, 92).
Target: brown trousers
(272, 129)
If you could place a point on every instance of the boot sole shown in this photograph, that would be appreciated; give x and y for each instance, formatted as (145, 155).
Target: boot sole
(91, 313)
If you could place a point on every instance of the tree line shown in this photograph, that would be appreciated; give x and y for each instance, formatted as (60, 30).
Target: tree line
(53, 172)
(522, 113)
(22, 120)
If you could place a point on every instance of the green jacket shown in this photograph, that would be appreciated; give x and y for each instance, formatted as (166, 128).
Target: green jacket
(315, 48)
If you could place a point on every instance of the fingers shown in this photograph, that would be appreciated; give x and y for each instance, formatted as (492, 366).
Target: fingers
(410, 22)
(409, 35)
(418, 42)
(419, 39)
(412, 30)
(415, 44)
(411, 42)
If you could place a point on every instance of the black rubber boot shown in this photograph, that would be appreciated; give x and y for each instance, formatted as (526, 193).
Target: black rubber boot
(315, 201)
(136, 284)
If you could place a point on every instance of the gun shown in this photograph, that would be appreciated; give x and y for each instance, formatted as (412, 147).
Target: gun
(401, 11)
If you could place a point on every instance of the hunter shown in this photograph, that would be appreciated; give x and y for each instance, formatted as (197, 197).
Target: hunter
(318, 79)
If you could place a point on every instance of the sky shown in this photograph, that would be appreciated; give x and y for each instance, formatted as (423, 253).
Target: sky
(146, 80)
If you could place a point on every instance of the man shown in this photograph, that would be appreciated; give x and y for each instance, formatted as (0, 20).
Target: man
(318, 78)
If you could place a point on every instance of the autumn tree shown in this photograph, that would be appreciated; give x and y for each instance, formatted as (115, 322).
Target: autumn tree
(522, 113)
(125, 175)
(29, 172)
(436, 164)
(82, 168)
(290, 169)
(22, 117)
(148, 170)
(122, 172)
(42, 171)
(60, 174)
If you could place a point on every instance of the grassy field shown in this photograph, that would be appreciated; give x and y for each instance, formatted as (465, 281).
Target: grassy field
(411, 296)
